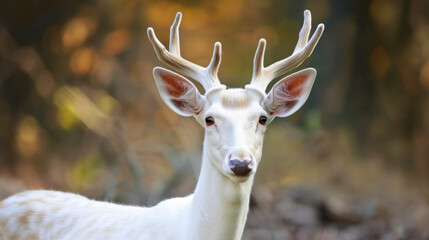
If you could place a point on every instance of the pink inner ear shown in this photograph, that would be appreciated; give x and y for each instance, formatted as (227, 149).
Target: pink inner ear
(287, 94)
(184, 106)
(290, 104)
(175, 86)
(295, 85)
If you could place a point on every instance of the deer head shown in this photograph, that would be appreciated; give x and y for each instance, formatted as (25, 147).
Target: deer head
(235, 120)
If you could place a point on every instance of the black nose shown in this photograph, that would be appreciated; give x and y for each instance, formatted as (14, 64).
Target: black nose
(240, 167)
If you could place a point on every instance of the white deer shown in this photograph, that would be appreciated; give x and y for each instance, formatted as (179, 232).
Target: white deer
(235, 121)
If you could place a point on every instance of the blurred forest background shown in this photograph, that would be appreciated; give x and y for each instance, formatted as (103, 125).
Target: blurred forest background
(79, 109)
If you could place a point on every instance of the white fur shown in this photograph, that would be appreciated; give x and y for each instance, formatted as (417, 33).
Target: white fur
(58, 215)
(218, 208)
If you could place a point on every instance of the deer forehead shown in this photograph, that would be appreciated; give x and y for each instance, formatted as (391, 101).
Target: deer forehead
(234, 98)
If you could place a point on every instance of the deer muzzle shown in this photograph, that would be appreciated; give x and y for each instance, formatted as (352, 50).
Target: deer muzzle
(240, 167)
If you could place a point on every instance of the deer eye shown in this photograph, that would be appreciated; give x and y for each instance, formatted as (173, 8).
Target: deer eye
(209, 121)
(262, 120)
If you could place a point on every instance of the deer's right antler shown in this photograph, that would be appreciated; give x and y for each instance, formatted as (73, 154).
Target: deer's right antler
(207, 76)
(262, 76)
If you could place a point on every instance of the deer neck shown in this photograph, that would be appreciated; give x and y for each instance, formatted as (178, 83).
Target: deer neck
(220, 206)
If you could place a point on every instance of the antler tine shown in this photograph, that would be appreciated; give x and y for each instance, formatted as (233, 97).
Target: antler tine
(215, 62)
(258, 65)
(305, 31)
(206, 76)
(174, 35)
(262, 76)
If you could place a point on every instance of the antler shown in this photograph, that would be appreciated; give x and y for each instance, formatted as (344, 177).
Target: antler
(262, 76)
(206, 76)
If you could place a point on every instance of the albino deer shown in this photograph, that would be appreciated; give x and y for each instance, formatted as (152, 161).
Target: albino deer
(235, 121)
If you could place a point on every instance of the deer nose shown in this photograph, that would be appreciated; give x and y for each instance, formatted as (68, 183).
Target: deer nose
(240, 167)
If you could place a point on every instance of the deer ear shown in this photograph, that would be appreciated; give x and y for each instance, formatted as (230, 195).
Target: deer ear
(178, 92)
(289, 94)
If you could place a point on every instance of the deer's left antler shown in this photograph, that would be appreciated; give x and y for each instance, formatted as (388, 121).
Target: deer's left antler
(262, 76)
